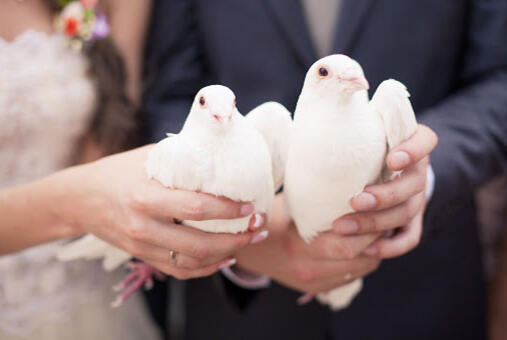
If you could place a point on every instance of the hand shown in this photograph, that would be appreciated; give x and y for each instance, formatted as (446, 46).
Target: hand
(397, 205)
(113, 199)
(309, 268)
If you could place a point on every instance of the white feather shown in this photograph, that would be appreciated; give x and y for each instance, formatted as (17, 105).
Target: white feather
(391, 101)
(274, 122)
(90, 247)
(341, 298)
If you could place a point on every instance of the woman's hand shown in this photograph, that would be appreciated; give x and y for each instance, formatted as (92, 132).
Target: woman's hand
(113, 199)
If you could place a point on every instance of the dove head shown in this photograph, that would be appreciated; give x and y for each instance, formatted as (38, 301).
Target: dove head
(334, 75)
(215, 107)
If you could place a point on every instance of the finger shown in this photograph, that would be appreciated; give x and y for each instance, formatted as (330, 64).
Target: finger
(390, 194)
(185, 274)
(149, 252)
(412, 150)
(345, 274)
(358, 270)
(187, 262)
(331, 246)
(383, 220)
(193, 242)
(155, 200)
(400, 244)
(319, 270)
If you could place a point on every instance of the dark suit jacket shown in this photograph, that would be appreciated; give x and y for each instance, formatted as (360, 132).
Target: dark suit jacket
(451, 54)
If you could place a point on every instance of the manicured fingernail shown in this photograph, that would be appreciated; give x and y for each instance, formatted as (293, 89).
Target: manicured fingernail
(260, 237)
(347, 226)
(365, 201)
(247, 209)
(371, 251)
(258, 221)
(399, 159)
(228, 264)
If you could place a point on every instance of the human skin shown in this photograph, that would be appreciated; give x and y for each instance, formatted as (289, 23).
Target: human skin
(113, 199)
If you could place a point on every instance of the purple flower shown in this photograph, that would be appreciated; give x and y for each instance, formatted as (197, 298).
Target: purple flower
(101, 28)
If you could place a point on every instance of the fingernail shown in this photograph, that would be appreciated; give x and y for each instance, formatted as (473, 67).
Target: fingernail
(258, 221)
(260, 237)
(371, 251)
(228, 264)
(365, 201)
(347, 226)
(247, 209)
(399, 159)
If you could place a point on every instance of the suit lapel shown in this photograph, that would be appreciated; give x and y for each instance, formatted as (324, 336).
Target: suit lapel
(288, 14)
(352, 14)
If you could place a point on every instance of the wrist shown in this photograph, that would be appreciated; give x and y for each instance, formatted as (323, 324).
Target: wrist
(66, 191)
(21, 205)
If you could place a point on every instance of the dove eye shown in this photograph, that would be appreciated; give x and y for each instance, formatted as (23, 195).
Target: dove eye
(323, 72)
(202, 101)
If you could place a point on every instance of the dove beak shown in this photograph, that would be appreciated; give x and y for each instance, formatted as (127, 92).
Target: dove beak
(222, 118)
(360, 83)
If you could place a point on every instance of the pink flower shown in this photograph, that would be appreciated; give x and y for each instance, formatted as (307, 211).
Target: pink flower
(89, 4)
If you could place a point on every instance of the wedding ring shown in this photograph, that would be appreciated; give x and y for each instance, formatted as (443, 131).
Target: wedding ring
(348, 276)
(174, 257)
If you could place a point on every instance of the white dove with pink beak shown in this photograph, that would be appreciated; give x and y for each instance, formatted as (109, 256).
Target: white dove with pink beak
(218, 152)
(338, 146)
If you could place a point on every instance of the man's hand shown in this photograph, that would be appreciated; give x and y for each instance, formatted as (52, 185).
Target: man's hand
(397, 205)
(310, 268)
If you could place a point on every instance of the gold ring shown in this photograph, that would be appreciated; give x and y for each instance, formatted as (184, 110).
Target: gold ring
(174, 257)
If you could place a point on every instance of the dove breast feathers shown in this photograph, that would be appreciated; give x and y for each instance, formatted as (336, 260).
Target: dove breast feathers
(337, 150)
(332, 158)
(236, 165)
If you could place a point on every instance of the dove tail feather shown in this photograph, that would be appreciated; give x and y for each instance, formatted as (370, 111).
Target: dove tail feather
(90, 247)
(341, 297)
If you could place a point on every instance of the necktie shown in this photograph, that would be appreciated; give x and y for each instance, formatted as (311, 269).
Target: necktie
(321, 19)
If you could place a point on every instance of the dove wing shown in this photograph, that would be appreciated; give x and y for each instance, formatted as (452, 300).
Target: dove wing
(90, 247)
(391, 102)
(274, 122)
(177, 163)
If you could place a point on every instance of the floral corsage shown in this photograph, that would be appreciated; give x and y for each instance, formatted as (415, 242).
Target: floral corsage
(82, 22)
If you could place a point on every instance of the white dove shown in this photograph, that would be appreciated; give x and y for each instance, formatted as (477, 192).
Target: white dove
(339, 144)
(217, 152)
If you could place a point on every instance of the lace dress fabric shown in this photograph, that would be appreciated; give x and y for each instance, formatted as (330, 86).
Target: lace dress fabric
(46, 104)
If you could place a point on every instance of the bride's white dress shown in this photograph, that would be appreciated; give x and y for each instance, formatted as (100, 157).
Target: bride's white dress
(46, 103)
